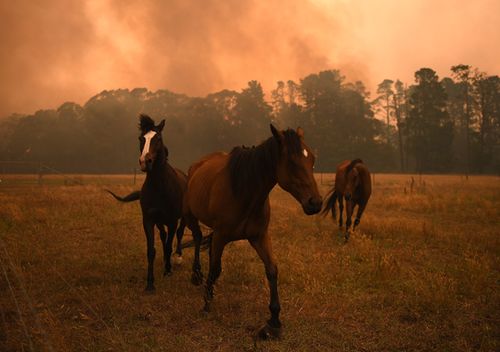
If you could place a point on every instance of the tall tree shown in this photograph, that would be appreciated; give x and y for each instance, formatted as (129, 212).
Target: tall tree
(383, 101)
(253, 114)
(278, 100)
(462, 74)
(429, 125)
(488, 88)
(399, 105)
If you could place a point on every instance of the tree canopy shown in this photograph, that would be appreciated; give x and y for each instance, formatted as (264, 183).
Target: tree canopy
(448, 125)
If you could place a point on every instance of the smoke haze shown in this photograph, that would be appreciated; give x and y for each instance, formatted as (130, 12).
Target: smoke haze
(56, 51)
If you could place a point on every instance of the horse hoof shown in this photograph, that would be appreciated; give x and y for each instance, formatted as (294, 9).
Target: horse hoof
(267, 332)
(150, 289)
(176, 259)
(197, 278)
(167, 273)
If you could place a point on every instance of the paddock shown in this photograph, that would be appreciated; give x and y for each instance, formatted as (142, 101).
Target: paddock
(420, 273)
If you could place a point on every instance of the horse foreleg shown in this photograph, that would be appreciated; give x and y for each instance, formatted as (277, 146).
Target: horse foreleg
(215, 268)
(263, 247)
(150, 241)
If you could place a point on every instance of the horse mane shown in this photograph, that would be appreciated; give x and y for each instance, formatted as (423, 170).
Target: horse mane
(166, 152)
(146, 123)
(248, 167)
(352, 164)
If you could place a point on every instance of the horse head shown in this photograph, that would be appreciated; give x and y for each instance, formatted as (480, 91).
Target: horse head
(294, 171)
(150, 142)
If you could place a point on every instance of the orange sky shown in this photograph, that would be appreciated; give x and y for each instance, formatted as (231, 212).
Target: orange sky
(54, 51)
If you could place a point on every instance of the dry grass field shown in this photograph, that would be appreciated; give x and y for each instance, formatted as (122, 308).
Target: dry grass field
(421, 274)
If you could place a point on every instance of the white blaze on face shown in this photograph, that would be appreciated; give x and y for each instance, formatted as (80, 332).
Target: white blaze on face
(148, 137)
(305, 153)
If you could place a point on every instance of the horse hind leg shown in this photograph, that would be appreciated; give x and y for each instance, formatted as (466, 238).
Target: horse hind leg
(334, 205)
(361, 209)
(163, 237)
(197, 275)
(341, 210)
(349, 210)
(168, 248)
(216, 248)
(177, 258)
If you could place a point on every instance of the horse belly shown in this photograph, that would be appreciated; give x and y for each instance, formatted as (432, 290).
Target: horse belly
(198, 198)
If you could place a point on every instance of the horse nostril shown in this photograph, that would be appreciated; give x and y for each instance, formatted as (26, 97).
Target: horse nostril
(314, 203)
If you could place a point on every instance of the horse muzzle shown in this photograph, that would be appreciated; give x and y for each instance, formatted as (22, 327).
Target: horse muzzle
(313, 205)
(146, 164)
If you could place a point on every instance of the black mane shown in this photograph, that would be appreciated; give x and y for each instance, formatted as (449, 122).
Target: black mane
(252, 169)
(146, 123)
(352, 164)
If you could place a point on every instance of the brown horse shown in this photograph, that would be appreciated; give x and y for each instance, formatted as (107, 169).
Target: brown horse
(230, 194)
(352, 182)
(161, 195)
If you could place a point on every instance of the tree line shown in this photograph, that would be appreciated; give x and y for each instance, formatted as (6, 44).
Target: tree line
(450, 125)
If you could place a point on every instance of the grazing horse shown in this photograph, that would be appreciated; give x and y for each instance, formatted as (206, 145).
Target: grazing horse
(352, 182)
(230, 194)
(161, 195)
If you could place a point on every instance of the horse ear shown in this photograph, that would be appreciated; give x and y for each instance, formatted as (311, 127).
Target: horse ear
(300, 132)
(277, 134)
(161, 125)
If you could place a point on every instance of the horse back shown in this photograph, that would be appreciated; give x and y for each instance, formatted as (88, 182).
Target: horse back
(195, 166)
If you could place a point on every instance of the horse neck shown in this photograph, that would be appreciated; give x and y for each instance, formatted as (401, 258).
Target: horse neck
(268, 182)
(253, 173)
(260, 191)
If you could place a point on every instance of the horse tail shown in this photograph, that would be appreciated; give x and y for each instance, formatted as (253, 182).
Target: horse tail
(330, 204)
(136, 195)
(205, 242)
